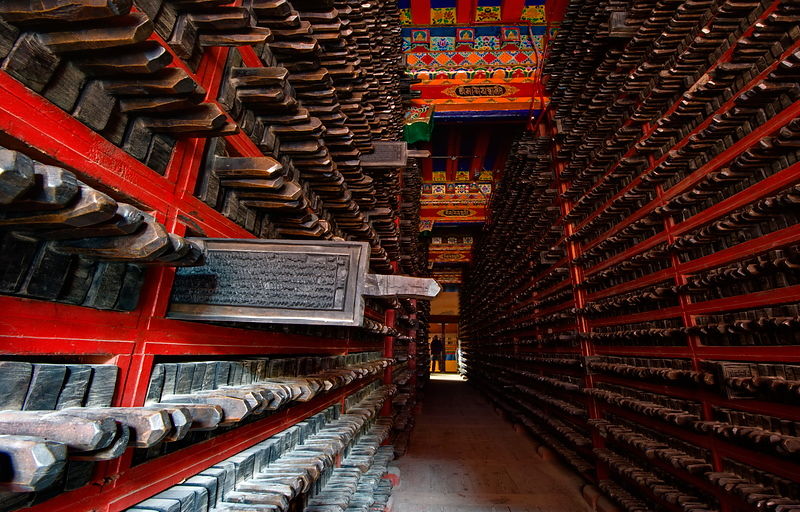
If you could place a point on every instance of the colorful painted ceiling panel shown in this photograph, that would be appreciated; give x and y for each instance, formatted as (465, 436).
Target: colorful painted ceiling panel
(451, 12)
(476, 68)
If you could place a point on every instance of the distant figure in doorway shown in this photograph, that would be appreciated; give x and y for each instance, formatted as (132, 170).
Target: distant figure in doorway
(437, 353)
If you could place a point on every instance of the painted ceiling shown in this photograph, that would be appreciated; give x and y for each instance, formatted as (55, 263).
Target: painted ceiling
(478, 65)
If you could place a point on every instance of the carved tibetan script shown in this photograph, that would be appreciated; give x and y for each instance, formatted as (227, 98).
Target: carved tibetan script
(480, 90)
(273, 282)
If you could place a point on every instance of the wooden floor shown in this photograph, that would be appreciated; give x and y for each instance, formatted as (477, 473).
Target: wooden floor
(463, 457)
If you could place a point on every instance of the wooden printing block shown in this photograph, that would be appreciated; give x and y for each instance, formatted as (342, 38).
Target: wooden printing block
(291, 20)
(263, 396)
(160, 153)
(76, 385)
(31, 62)
(126, 220)
(184, 37)
(222, 373)
(170, 378)
(309, 147)
(312, 128)
(259, 77)
(32, 463)
(272, 8)
(116, 126)
(16, 175)
(78, 282)
(294, 48)
(254, 184)
(106, 284)
(224, 474)
(265, 168)
(78, 474)
(178, 248)
(198, 376)
(61, 11)
(8, 36)
(48, 274)
(183, 378)
(209, 483)
(167, 82)
(302, 29)
(203, 416)
(94, 106)
(203, 120)
(130, 288)
(249, 37)
(252, 495)
(101, 386)
(276, 205)
(181, 419)
(114, 450)
(138, 139)
(234, 409)
(146, 244)
(244, 464)
(157, 505)
(266, 97)
(127, 30)
(142, 59)
(77, 434)
(148, 427)
(288, 193)
(15, 377)
(191, 498)
(44, 387)
(222, 19)
(53, 189)
(155, 104)
(16, 257)
(210, 376)
(65, 86)
(156, 385)
(299, 116)
(254, 398)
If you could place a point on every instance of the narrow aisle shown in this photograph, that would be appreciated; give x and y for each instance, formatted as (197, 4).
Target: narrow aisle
(463, 457)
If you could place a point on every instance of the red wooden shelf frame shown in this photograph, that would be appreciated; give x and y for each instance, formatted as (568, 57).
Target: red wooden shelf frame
(134, 340)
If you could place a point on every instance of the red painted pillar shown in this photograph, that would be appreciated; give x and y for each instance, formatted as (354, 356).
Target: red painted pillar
(512, 10)
(421, 12)
(465, 11)
(388, 351)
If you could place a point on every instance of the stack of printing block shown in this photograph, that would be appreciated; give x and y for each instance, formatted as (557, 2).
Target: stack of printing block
(326, 147)
(286, 469)
(413, 254)
(357, 485)
(53, 417)
(326, 86)
(37, 402)
(102, 63)
(62, 240)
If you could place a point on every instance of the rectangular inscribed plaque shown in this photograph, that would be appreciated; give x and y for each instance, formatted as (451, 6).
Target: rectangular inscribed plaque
(273, 281)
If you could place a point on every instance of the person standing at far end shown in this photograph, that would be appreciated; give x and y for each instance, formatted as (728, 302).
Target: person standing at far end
(437, 353)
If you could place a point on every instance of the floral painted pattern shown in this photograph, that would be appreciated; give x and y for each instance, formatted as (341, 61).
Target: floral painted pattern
(405, 16)
(443, 16)
(443, 44)
(533, 13)
(487, 43)
(485, 13)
